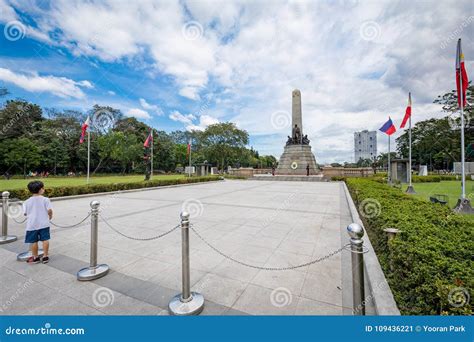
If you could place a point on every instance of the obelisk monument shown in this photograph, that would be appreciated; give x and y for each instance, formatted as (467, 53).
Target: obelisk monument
(296, 117)
(297, 158)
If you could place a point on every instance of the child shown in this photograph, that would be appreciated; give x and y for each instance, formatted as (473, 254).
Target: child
(38, 211)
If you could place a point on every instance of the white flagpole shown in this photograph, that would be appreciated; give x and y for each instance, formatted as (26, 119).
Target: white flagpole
(409, 151)
(88, 153)
(152, 142)
(389, 177)
(189, 157)
(463, 171)
(410, 189)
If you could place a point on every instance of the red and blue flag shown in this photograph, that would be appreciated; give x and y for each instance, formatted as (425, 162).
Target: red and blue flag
(388, 127)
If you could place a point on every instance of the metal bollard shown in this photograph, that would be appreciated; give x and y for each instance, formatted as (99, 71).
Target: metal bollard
(5, 238)
(187, 303)
(94, 271)
(356, 232)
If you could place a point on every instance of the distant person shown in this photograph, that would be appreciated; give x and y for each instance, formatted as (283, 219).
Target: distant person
(273, 170)
(7, 175)
(307, 169)
(38, 212)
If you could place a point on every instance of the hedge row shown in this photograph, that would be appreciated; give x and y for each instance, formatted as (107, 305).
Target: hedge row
(235, 177)
(428, 263)
(95, 188)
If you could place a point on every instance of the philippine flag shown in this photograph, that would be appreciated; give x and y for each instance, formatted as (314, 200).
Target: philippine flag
(388, 127)
(149, 140)
(84, 127)
(407, 112)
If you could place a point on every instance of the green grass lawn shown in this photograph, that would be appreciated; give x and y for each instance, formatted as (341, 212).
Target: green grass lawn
(450, 188)
(72, 181)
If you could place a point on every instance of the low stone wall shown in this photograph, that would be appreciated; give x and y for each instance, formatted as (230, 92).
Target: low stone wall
(347, 171)
(248, 172)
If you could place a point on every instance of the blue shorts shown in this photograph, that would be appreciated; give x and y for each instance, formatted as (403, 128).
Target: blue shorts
(33, 236)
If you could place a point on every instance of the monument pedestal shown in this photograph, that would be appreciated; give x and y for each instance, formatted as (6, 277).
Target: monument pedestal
(294, 159)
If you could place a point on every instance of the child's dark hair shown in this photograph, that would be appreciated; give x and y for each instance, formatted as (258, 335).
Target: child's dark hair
(35, 186)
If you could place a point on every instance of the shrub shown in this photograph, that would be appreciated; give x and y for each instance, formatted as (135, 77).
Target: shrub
(338, 178)
(426, 179)
(96, 188)
(430, 258)
(235, 177)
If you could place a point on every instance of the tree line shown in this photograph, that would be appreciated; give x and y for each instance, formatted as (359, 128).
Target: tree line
(47, 140)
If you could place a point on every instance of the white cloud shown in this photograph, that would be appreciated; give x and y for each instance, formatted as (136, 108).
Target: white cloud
(188, 120)
(138, 113)
(204, 121)
(177, 116)
(59, 86)
(110, 92)
(148, 106)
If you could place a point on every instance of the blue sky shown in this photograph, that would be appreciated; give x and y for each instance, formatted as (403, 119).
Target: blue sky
(188, 64)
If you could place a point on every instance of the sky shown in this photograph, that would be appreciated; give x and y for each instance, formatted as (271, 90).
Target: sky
(188, 64)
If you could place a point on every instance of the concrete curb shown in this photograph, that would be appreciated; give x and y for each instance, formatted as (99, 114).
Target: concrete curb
(378, 291)
(109, 193)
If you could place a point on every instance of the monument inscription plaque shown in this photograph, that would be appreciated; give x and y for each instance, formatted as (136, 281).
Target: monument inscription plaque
(297, 154)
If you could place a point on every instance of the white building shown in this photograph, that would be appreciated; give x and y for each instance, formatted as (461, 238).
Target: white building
(365, 145)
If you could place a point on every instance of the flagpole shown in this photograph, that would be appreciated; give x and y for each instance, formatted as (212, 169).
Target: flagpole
(152, 142)
(189, 157)
(410, 189)
(463, 171)
(389, 178)
(409, 152)
(88, 154)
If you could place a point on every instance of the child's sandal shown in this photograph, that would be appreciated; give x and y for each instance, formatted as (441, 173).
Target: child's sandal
(33, 260)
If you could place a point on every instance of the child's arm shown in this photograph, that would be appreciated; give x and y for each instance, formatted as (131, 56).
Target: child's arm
(49, 208)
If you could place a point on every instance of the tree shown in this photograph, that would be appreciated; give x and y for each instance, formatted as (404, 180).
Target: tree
(364, 162)
(163, 152)
(222, 141)
(22, 153)
(122, 148)
(449, 103)
(19, 118)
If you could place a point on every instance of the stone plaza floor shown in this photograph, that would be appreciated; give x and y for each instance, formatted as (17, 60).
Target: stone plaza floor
(263, 223)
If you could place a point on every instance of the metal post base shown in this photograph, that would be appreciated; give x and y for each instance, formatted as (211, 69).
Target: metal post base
(464, 206)
(26, 255)
(410, 190)
(7, 239)
(91, 273)
(192, 307)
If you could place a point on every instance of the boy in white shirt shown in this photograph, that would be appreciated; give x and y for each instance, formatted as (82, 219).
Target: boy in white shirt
(38, 212)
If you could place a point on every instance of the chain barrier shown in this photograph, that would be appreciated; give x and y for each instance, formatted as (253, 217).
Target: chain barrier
(73, 225)
(267, 268)
(135, 238)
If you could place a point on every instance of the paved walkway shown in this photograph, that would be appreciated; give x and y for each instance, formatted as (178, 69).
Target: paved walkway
(264, 223)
